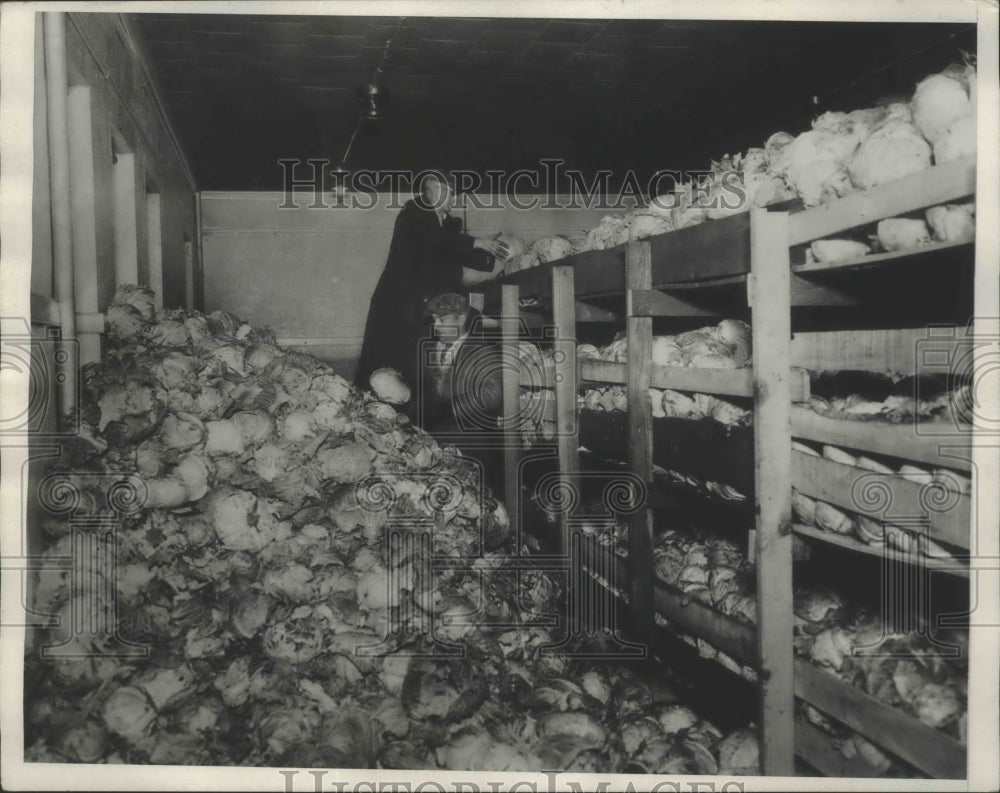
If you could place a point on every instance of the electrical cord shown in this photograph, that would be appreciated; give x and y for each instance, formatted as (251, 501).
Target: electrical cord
(342, 168)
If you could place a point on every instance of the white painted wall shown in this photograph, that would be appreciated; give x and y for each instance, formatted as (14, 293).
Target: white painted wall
(308, 273)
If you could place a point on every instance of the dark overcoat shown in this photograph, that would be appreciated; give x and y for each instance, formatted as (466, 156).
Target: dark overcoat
(426, 258)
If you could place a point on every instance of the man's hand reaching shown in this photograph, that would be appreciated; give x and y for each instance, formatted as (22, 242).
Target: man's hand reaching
(498, 248)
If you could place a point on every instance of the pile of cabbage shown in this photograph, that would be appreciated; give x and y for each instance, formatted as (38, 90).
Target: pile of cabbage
(896, 408)
(727, 345)
(709, 568)
(929, 682)
(521, 256)
(925, 676)
(667, 403)
(941, 487)
(265, 586)
(537, 403)
(911, 671)
(842, 153)
(908, 670)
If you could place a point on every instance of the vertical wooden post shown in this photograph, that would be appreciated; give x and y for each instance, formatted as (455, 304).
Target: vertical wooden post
(639, 275)
(564, 347)
(771, 322)
(154, 243)
(188, 272)
(510, 333)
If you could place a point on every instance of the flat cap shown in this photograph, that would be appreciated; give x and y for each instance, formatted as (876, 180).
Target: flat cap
(448, 303)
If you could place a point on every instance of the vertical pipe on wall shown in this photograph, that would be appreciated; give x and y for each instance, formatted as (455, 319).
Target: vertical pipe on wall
(125, 225)
(56, 94)
(199, 265)
(84, 211)
(154, 244)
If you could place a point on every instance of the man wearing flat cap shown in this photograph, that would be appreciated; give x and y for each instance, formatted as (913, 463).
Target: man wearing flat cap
(462, 386)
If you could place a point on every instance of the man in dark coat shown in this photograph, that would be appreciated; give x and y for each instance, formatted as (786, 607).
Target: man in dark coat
(428, 255)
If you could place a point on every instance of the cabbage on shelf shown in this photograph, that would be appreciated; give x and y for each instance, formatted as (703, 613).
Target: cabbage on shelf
(910, 671)
(842, 152)
(727, 345)
(873, 531)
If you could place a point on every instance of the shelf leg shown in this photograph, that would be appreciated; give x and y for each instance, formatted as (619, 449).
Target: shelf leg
(771, 324)
(564, 347)
(639, 275)
(510, 331)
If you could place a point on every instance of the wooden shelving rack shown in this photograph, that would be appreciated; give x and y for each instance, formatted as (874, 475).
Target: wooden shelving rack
(675, 275)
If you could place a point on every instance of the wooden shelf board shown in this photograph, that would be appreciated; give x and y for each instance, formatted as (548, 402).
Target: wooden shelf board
(852, 544)
(886, 497)
(928, 749)
(816, 748)
(718, 282)
(727, 382)
(723, 382)
(722, 632)
(668, 630)
(874, 260)
(939, 184)
(703, 448)
(937, 443)
(675, 631)
(602, 371)
(713, 249)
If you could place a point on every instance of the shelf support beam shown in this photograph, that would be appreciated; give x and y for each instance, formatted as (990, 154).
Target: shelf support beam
(772, 543)
(639, 276)
(654, 303)
(564, 349)
(510, 331)
(939, 184)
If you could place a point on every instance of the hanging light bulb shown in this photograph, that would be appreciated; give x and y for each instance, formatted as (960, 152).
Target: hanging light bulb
(369, 98)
